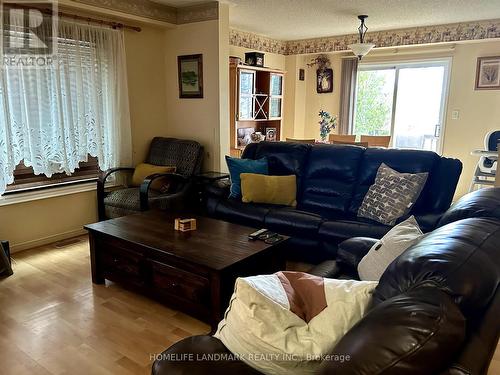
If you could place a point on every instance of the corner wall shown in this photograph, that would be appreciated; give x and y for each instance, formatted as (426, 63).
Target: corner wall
(196, 119)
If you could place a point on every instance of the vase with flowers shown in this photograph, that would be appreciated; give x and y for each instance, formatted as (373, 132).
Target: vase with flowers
(326, 123)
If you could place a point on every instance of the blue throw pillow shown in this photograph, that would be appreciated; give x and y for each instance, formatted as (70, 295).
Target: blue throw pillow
(239, 166)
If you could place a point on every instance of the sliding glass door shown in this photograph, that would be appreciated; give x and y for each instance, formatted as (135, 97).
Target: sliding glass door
(406, 101)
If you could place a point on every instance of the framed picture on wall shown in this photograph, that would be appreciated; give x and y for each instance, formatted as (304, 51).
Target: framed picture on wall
(302, 74)
(488, 73)
(190, 76)
(324, 81)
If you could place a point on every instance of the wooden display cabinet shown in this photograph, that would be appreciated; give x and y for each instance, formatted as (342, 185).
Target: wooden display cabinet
(256, 101)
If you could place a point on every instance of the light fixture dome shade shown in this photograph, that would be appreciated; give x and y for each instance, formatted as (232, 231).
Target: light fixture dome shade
(361, 49)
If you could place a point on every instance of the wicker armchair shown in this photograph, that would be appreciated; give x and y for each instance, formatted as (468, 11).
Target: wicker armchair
(185, 155)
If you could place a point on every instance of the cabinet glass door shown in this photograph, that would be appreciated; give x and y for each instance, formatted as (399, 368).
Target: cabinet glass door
(246, 102)
(276, 96)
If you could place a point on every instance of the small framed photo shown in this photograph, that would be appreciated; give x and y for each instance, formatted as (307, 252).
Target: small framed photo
(271, 134)
(190, 76)
(488, 73)
(324, 81)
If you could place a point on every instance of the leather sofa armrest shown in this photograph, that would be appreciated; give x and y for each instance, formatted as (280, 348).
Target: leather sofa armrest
(199, 355)
(219, 189)
(400, 336)
(351, 251)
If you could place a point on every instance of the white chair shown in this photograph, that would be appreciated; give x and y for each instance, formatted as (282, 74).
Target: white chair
(485, 171)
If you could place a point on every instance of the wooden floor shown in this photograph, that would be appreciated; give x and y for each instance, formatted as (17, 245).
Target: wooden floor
(53, 320)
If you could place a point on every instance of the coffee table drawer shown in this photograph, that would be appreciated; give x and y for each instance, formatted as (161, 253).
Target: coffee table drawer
(123, 264)
(180, 283)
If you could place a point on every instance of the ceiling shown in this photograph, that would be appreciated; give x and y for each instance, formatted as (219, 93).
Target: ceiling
(301, 19)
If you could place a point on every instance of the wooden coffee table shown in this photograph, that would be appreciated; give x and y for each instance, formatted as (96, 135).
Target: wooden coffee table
(192, 271)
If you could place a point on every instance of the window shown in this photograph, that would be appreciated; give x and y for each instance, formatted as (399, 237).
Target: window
(62, 122)
(404, 100)
(26, 179)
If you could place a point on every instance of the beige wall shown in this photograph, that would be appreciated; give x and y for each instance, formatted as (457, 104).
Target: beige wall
(42, 221)
(479, 110)
(196, 119)
(147, 87)
(295, 98)
(223, 85)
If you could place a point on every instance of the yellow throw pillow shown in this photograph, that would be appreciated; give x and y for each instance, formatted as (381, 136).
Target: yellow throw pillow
(259, 188)
(144, 170)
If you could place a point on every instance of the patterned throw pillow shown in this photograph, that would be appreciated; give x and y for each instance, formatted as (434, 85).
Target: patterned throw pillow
(392, 195)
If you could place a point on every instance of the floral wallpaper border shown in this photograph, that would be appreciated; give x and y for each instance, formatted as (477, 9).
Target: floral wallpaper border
(259, 42)
(475, 30)
(160, 12)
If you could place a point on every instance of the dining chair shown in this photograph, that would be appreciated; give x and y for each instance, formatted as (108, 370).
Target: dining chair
(342, 138)
(362, 144)
(299, 140)
(376, 140)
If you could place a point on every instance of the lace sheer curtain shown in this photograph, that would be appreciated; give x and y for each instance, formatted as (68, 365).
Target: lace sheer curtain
(53, 118)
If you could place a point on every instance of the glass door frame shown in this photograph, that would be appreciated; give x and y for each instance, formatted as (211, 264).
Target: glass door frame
(445, 62)
(252, 95)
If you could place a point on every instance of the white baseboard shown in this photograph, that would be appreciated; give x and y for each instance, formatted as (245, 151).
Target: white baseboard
(16, 247)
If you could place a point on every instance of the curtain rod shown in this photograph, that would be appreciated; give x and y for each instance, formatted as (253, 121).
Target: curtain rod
(114, 25)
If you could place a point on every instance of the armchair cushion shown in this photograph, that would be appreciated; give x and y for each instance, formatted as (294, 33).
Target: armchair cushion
(144, 170)
(126, 201)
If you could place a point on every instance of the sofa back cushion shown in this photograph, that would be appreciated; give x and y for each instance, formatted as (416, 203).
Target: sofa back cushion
(330, 179)
(404, 161)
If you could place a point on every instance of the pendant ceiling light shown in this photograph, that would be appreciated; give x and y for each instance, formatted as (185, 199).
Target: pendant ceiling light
(361, 49)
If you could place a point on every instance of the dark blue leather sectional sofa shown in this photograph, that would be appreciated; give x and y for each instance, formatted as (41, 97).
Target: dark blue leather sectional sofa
(332, 181)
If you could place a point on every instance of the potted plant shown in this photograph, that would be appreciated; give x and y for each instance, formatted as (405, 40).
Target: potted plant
(326, 123)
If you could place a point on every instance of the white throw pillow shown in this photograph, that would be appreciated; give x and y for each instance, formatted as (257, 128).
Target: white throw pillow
(260, 328)
(392, 245)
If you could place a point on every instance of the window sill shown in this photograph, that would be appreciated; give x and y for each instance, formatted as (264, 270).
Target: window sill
(45, 193)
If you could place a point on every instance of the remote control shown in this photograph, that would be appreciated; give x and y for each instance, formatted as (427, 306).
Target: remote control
(253, 236)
